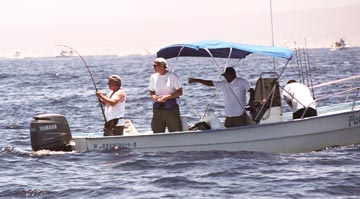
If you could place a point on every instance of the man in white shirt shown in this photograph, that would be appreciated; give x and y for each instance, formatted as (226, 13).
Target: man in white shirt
(115, 107)
(299, 98)
(165, 89)
(234, 90)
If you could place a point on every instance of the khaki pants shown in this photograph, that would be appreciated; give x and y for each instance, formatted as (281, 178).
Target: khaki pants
(166, 118)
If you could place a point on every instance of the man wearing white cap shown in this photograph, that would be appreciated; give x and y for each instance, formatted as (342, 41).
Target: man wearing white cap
(115, 107)
(165, 89)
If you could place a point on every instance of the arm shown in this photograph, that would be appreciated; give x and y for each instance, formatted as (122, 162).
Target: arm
(116, 98)
(287, 96)
(153, 96)
(289, 92)
(252, 97)
(98, 95)
(174, 95)
(202, 81)
(288, 101)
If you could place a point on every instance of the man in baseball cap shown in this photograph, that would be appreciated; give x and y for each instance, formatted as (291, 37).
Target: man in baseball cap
(114, 107)
(115, 79)
(234, 90)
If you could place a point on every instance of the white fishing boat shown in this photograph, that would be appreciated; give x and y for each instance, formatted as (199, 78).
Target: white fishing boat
(339, 45)
(272, 131)
(66, 53)
(17, 55)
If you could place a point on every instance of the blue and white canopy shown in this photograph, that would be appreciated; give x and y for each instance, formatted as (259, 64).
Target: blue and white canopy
(221, 49)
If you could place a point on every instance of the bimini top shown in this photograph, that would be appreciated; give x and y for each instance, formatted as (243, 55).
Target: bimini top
(221, 49)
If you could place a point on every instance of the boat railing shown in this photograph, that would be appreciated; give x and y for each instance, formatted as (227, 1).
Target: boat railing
(349, 91)
(353, 78)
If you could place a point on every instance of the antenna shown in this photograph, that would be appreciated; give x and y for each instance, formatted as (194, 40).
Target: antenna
(272, 30)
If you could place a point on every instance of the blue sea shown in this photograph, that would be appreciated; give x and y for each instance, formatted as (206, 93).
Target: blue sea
(63, 85)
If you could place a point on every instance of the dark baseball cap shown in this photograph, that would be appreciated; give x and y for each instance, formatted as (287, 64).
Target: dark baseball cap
(229, 70)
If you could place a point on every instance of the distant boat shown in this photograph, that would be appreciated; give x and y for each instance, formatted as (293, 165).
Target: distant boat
(339, 45)
(66, 53)
(17, 55)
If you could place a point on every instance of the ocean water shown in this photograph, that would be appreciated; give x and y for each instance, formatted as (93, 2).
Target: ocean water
(32, 86)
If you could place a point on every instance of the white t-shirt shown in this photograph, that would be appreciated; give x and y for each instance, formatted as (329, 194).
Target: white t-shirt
(234, 94)
(117, 111)
(164, 84)
(297, 92)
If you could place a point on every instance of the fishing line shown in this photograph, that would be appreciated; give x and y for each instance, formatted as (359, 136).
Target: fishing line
(91, 75)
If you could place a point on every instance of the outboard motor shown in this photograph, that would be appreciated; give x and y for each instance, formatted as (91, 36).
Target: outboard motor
(51, 132)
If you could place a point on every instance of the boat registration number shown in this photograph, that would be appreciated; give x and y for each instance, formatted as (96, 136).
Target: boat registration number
(115, 145)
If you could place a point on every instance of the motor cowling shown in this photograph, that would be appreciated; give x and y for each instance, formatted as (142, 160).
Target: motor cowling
(51, 132)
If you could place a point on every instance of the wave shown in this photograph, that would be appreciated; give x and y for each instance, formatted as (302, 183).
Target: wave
(181, 182)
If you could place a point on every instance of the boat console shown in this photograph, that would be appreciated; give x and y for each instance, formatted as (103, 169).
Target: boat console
(267, 100)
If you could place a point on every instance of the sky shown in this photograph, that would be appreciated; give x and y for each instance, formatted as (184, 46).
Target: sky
(34, 27)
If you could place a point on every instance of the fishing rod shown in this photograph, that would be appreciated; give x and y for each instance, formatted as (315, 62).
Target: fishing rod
(91, 75)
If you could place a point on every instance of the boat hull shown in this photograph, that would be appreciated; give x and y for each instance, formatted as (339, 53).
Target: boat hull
(293, 136)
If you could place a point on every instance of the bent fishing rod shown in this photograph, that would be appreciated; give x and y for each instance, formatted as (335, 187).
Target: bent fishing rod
(91, 75)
